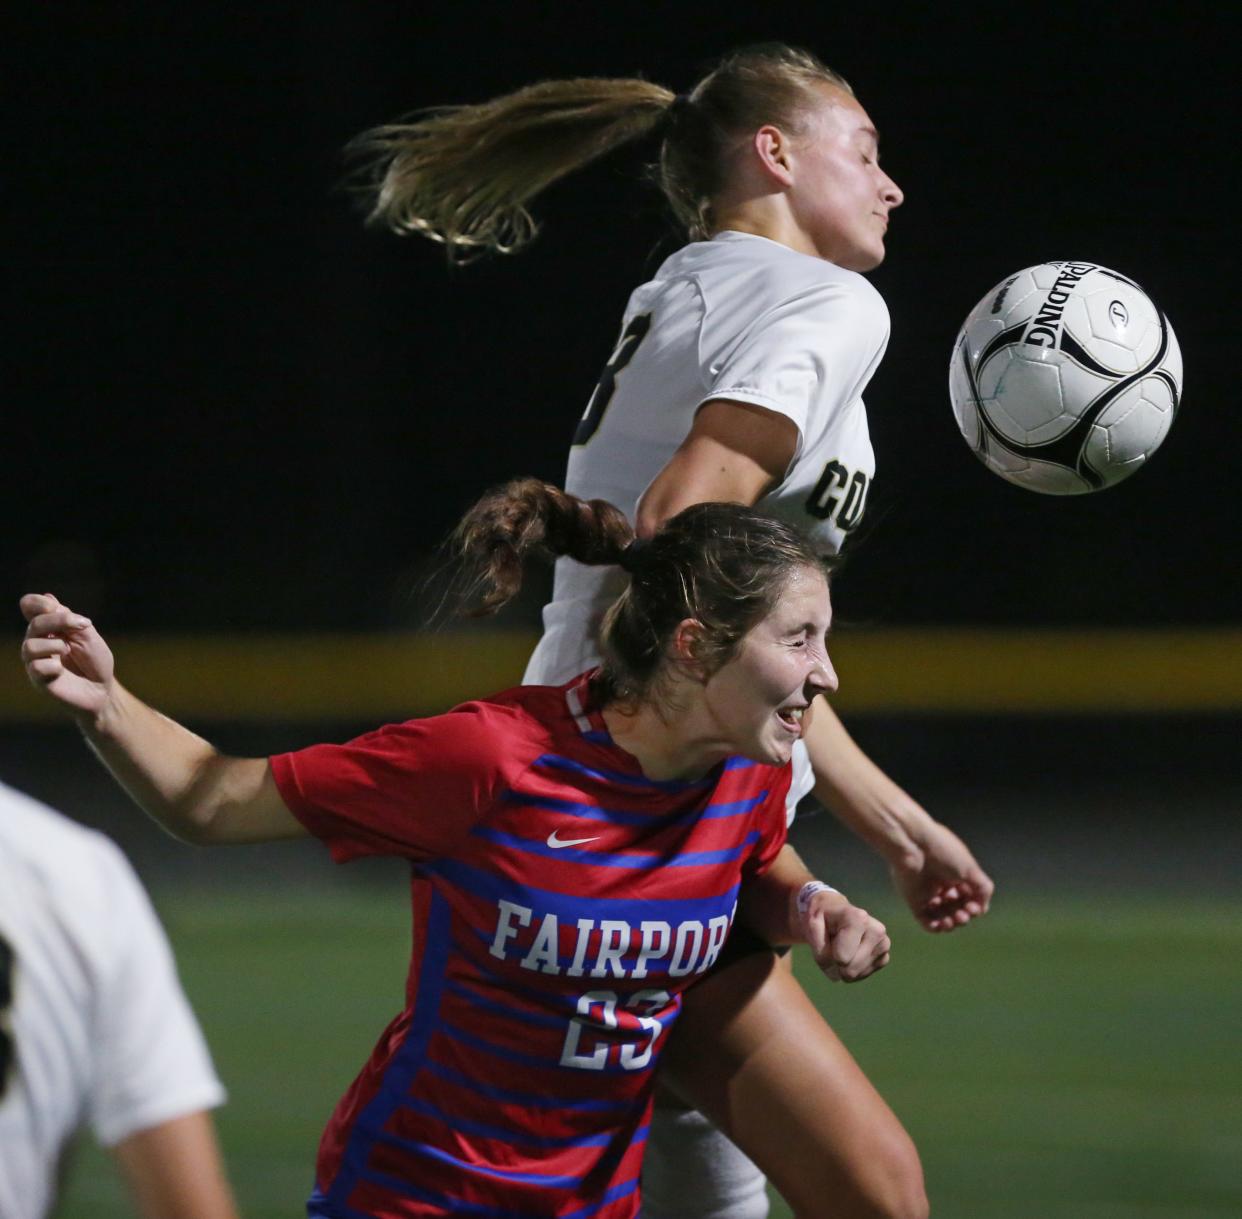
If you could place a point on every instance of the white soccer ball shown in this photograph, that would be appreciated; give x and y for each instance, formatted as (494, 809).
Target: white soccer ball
(1065, 378)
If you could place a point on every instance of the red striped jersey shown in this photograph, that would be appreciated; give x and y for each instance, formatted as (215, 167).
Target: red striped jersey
(561, 902)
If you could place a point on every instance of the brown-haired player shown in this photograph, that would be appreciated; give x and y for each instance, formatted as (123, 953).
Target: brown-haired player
(578, 853)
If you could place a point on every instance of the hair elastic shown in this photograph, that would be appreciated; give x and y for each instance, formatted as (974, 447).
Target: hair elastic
(631, 555)
(672, 113)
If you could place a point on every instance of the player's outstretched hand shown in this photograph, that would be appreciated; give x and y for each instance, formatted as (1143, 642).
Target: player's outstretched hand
(65, 655)
(848, 944)
(945, 888)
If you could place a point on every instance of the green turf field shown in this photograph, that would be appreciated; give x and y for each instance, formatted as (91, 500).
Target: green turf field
(1076, 1059)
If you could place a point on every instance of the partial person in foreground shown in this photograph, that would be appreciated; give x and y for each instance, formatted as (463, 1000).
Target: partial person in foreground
(95, 1028)
(578, 853)
(738, 376)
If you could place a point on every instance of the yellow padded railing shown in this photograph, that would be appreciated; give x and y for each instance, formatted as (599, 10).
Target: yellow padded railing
(377, 677)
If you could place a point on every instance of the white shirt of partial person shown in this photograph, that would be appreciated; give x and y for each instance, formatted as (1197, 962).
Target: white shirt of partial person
(97, 1030)
(747, 319)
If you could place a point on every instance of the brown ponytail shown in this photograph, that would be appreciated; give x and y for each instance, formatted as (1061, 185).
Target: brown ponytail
(526, 517)
(722, 565)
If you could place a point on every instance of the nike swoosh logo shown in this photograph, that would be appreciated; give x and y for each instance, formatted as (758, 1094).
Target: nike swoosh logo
(554, 841)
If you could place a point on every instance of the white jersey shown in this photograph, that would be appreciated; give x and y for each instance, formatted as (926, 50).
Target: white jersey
(96, 1028)
(746, 319)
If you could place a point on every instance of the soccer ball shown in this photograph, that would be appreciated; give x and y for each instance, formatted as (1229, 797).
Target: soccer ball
(1065, 378)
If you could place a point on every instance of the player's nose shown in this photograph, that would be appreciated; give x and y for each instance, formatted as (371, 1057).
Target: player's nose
(891, 193)
(822, 677)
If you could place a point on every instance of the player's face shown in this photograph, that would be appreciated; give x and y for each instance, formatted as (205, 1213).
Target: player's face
(758, 699)
(840, 196)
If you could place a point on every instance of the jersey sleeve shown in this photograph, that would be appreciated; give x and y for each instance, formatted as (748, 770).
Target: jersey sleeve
(412, 789)
(151, 1064)
(772, 825)
(815, 348)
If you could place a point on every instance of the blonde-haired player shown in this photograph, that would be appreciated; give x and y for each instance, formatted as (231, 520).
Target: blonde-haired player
(738, 376)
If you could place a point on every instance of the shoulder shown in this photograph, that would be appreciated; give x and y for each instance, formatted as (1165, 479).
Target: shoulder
(83, 904)
(748, 281)
(500, 737)
(57, 853)
(814, 285)
(498, 732)
(526, 718)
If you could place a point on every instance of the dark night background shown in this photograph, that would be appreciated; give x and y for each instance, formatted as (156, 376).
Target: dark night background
(235, 407)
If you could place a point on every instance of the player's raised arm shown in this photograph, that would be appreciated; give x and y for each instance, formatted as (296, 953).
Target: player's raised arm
(932, 868)
(734, 452)
(188, 786)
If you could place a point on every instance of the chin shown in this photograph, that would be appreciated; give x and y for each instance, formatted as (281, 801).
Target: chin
(777, 754)
(864, 261)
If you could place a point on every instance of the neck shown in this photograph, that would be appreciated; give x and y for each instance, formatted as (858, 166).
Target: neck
(763, 216)
(666, 745)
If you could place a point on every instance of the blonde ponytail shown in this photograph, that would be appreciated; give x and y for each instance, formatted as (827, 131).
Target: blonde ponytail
(463, 175)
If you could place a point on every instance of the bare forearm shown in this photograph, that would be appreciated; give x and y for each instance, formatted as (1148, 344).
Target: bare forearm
(768, 903)
(786, 905)
(932, 868)
(174, 1171)
(859, 794)
(187, 785)
(733, 453)
(174, 775)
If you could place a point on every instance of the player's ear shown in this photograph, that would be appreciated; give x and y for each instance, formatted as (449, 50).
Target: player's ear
(772, 149)
(686, 648)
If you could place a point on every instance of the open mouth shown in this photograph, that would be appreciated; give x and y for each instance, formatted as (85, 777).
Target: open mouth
(791, 717)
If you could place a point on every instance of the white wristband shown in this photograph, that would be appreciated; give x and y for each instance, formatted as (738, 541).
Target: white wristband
(807, 892)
